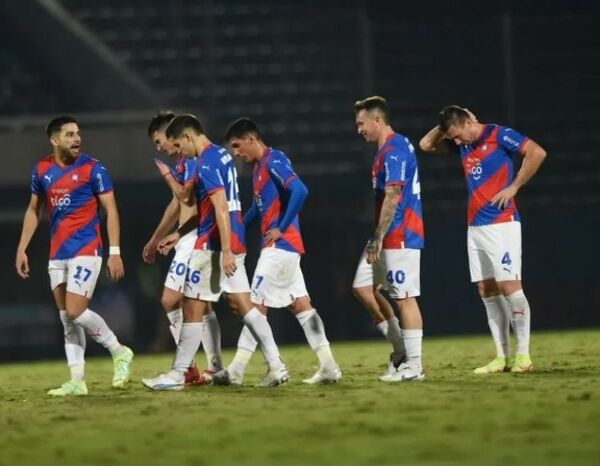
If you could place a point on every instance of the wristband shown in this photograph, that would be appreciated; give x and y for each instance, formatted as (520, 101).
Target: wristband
(114, 251)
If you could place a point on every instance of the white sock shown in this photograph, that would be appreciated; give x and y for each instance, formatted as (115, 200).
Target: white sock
(74, 346)
(413, 339)
(496, 308)
(261, 330)
(314, 330)
(187, 347)
(394, 336)
(246, 346)
(520, 318)
(96, 327)
(211, 341)
(175, 321)
(383, 328)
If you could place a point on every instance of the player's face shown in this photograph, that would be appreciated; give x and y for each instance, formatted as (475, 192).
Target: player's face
(367, 125)
(184, 145)
(245, 148)
(462, 134)
(163, 144)
(68, 140)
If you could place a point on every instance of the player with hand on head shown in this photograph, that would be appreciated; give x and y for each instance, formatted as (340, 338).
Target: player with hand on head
(391, 260)
(177, 212)
(74, 185)
(494, 226)
(278, 281)
(217, 262)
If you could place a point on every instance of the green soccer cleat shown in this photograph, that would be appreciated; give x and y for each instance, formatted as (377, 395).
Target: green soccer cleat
(499, 364)
(69, 388)
(121, 364)
(521, 364)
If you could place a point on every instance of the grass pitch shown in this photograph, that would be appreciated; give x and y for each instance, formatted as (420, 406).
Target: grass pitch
(550, 416)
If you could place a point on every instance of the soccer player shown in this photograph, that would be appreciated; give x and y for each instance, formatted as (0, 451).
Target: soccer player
(73, 185)
(172, 296)
(494, 231)
(391, 259)
(217, 262)
(278, 281)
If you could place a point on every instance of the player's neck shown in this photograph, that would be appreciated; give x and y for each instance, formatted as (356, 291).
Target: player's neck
(384, 135)
(261, 150)
(62, 159)
(200, 143)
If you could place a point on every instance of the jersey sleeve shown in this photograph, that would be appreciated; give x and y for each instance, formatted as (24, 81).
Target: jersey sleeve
(208, 170)
(189, 170)
(395, 164)
(101, 182)
(511, 141)
(280, 169)
(36, 183)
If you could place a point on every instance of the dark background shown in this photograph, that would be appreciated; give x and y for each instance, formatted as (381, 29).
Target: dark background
(297, 68)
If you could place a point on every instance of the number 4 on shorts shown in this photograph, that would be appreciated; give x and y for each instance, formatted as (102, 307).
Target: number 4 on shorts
(506, 259)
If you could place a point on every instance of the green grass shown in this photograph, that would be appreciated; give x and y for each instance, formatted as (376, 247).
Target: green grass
(551, 416)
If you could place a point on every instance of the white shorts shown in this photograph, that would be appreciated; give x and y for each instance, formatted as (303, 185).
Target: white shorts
(278, 279)
(79, 273)
(178, 269)
(206, 279)
(397, 271)
(495, 251)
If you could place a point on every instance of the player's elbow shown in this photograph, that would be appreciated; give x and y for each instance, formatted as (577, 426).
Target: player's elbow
(425, 145)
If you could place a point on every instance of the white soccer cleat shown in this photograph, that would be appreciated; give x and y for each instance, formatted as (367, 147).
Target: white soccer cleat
(275, 377)
(323, 376)
(164, 382)
(225, 377)
(404, 373)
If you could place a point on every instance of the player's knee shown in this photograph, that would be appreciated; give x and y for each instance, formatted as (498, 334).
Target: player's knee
(170, 303)
(300, 305)
(363, 294)
(488, 288)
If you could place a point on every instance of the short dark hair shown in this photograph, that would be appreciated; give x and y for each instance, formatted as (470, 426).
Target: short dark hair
(160, 121)
(241, 128)
(57, 123)
(182, 122)
(452, 115)
(374, 103)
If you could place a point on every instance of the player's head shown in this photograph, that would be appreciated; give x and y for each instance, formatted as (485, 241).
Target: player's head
(156, 132)
(182, 132)
(458, 124)
(65, 136)
(372, 117)
(245, 140)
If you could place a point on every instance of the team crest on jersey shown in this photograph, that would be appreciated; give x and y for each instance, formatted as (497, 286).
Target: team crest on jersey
(484, 147)
(75, 177)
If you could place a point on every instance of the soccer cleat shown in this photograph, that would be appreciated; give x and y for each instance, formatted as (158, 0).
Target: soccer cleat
(121, 363)
(226, 377)
(164, 382)
(275, 377)
(404, 373)
(194, 377)
(521, 364)
(499, 364)
(72, 387)
(323, 376)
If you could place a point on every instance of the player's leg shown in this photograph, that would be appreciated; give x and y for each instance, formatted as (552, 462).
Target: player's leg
(74, 334)
(82, 277)
(507, 271)
(366, 288)
(402, 269)
(238, 295)
(314, 330)
(480, 241)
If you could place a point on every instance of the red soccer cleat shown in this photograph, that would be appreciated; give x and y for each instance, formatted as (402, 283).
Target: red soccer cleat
(194, 377)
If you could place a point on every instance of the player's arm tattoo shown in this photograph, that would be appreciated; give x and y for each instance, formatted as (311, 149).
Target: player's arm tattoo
(388, 209)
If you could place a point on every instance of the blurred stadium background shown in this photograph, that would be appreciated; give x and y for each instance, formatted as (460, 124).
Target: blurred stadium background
(297, 68)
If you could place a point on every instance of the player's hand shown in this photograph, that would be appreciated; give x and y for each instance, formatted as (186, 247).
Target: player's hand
(373, 250)
(503, 198)
(114, 268)
(149, 252)
(228, 263)
(22, 264)
(168, 243)
(163, 168)
(272, 236)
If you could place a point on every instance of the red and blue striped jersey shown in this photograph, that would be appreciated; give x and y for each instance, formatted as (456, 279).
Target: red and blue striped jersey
(215, 169)
(396, 164)
(488, 168)
(270, 179)
(185, 170)
(71, 193)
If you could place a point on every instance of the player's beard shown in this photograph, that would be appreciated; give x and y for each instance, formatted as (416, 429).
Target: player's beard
(67, 154)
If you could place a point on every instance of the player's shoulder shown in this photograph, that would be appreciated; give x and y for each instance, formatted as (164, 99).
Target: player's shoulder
(277, 157)
(44, 163)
